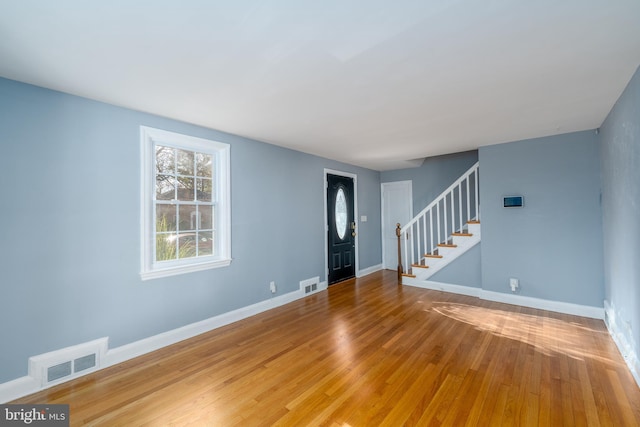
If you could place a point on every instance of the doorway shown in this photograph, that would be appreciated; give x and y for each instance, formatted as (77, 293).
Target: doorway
(341, 226)
(397, 207)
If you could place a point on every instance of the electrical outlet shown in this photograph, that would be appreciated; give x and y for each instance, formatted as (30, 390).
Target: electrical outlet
(272, 286)
(514, 283)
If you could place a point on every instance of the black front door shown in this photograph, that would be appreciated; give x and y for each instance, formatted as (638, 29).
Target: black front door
(341, 228)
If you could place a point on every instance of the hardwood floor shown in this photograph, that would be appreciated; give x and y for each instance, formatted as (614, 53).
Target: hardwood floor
(368, 353)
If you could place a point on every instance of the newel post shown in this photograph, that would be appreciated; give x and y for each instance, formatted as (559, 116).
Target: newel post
(398, 234)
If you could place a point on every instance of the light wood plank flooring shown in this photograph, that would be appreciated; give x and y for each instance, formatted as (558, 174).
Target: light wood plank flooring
(368, 352)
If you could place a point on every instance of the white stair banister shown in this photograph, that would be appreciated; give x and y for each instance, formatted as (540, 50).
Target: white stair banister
(421, 237)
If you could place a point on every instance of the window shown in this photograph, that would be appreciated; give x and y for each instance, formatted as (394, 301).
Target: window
(341, 213)
(186, 224)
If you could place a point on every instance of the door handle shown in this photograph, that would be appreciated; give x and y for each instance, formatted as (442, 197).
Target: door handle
(353, 229)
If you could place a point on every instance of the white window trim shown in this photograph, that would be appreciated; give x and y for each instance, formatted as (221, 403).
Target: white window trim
(150, 269)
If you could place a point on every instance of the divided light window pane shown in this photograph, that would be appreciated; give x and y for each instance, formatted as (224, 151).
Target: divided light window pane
(185, 162)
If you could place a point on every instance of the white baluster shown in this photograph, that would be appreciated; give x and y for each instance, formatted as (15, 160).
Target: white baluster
(424, 230)
(477, 199)
(406, 253)
(446, 227)
(460, 204)
(418, 239)
(438, 222)
(468, 200)
(453, 212)
(431, 230)
(412, 249)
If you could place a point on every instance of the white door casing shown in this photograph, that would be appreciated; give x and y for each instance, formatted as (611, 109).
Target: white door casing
(397, 207)
(326, 221)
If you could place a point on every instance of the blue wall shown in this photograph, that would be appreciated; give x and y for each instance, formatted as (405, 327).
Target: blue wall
(553, 245)
(70, 245)
(433, 176)
(620, 136)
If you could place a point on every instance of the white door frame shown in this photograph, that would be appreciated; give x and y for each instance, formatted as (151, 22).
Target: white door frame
(326, 220)
(408, 184)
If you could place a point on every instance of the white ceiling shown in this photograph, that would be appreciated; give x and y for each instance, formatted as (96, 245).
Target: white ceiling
(369, 82)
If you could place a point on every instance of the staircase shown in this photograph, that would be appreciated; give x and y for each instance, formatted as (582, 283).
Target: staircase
(448, 227)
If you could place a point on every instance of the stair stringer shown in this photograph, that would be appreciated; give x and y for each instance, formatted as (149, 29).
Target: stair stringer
(464, 243)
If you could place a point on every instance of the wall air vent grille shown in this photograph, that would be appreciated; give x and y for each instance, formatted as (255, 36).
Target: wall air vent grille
(67, 363)
(311, 286)
(83, 363)
(56, 372)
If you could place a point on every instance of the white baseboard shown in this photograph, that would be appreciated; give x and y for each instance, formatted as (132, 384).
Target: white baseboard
(17, 388)
(543, 304)
(445, 287)
(26, 385)
(623, 339)
(556, 306)
(369, 270)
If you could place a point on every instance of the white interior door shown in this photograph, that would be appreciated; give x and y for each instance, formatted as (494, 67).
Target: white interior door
(397, 207)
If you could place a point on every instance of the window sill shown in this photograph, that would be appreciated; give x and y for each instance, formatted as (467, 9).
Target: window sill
(182, 269)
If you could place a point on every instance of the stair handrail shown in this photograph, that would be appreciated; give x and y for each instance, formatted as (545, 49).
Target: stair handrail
(404, 231)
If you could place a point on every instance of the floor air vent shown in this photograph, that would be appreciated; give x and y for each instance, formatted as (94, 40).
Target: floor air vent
(67, 363)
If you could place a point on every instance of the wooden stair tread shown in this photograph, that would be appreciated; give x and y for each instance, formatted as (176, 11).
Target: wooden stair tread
(447, 245)
(462, 234)
(408, 275)
(419, 266)
(432, 256)
(473, 221)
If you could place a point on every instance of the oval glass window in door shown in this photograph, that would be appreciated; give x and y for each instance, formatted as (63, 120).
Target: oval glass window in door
(341, 213)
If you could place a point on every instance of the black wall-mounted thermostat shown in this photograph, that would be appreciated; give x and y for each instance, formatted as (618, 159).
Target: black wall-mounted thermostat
(513, 202)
